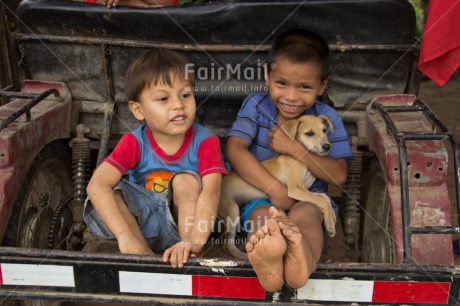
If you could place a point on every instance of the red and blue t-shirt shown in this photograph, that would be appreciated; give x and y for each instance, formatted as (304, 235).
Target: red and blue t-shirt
(138, 155)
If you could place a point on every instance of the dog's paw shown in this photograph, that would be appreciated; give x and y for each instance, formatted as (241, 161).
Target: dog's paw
(329, 222)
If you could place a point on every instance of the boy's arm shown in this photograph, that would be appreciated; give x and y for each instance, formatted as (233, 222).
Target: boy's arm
(206, 210)
(205, 215)
(332, 171)
(100, 191)
(251, 170)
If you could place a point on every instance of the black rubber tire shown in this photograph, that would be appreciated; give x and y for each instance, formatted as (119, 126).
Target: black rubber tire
(47, 184)
(376, 233)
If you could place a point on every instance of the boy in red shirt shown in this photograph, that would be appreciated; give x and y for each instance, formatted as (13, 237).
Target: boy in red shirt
(174, 165)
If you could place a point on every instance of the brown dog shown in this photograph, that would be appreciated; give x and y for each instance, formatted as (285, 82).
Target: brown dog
(311, 132)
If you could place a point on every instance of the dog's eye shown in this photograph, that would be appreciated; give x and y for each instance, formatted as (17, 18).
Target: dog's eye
(324, 130)
(310, 133)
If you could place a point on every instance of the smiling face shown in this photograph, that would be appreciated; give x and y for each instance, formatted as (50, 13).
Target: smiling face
(294, 87)
(169, 111)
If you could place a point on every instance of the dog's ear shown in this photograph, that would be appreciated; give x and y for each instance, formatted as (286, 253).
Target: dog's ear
(327, 121)
(290, 127)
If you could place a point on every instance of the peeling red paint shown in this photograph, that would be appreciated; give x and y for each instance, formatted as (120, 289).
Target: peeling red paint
(21, 141)
(427, 172)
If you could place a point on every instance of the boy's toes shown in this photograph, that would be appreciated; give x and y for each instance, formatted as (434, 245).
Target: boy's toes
(253, 239)
(288, 232)
(273, 228)
(275, 212)
(261, 233)
(249, 247)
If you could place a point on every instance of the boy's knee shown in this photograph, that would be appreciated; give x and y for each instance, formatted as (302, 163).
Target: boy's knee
(184, 191)
(305, 209)
(185, 179)
(259, 214)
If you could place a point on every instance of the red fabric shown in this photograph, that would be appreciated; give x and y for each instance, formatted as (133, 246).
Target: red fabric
(179, 153)
(210, 157)
(126, 154)
(440, 50)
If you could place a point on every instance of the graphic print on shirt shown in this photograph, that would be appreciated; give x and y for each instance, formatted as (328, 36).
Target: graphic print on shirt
(157, 181)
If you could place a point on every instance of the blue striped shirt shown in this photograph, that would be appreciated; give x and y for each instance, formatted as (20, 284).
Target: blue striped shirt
(258, 115)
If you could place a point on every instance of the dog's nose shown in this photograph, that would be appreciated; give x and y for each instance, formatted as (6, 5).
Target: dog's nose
(326, 147)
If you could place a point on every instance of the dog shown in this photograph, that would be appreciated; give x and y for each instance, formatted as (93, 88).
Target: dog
(309, 131)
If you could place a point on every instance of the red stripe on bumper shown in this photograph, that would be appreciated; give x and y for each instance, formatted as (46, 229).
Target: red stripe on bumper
(232, 287)
(411, 292)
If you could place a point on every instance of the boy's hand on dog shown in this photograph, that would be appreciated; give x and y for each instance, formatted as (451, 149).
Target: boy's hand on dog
(280, 141)
(279, 198)
(282, 144)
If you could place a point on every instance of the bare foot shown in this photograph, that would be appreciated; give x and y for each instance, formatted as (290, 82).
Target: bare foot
(265, 252)
(298, 260)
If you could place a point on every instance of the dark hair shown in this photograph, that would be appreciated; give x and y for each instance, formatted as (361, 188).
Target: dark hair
(157, 65)
(301, 46)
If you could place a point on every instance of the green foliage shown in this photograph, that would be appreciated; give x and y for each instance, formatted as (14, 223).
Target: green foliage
(420, 11)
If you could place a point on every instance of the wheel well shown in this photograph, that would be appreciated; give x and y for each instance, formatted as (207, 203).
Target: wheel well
(55, 150)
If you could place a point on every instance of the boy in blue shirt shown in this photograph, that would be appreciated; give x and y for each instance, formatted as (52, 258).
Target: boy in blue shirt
(287, 245)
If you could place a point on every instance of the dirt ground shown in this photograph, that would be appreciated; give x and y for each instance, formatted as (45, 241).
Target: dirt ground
(445, 102)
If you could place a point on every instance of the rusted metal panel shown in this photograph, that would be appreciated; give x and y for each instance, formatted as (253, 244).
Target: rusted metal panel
(427, 171)
(429, 206)
(22, 140)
